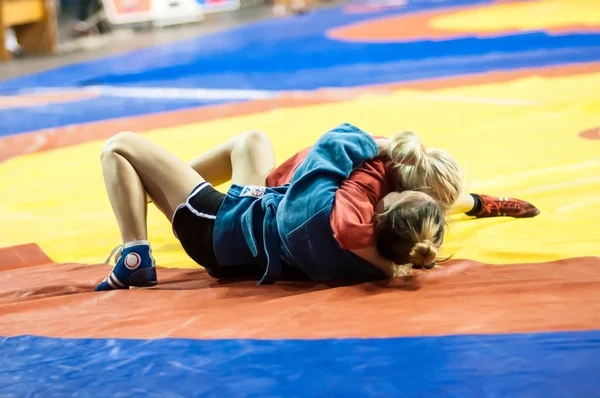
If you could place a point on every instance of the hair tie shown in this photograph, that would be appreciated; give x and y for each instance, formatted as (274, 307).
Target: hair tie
(424, 149)
(426, 266)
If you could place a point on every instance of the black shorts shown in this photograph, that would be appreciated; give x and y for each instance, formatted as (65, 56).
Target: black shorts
(194, 224)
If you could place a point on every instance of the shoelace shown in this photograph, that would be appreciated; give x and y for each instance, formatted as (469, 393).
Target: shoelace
(500, 205)
(510, 205)
(116, 251)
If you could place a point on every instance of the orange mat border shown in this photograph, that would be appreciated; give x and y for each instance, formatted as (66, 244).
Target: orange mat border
(40, 297)
(43, 140)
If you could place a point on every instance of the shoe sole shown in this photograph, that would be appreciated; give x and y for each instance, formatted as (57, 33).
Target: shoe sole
(145, 277)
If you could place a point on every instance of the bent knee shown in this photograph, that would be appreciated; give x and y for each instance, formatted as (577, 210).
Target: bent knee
(119, 143)
(255, 139)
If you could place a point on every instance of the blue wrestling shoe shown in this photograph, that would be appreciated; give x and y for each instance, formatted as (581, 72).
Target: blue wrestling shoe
(134, 267)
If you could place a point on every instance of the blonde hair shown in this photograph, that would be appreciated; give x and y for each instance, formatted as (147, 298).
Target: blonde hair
(410, 233)
(431, 171)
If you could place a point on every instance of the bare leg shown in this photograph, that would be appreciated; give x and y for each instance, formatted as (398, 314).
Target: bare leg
(246, 159)
(215, 165)
(132, 165)
(126, 195)
(464, 204)
(252, 159)
(493, 206)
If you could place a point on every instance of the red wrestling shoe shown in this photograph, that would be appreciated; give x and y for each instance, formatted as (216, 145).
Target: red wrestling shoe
(505, 207)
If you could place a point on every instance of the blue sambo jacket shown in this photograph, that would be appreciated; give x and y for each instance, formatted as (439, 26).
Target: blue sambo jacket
(291, 224)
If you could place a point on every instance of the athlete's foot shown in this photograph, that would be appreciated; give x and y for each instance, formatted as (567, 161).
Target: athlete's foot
(135, 267)
(501, 206)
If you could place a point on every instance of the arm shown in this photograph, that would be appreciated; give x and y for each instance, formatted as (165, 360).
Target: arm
(371, 255)
(355, 202)
(335, 155)
(328, 164)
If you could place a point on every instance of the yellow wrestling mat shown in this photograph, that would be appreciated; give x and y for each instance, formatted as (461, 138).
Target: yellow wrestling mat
(518, 139)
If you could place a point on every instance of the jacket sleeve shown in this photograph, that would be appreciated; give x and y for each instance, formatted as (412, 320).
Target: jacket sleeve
(335, 155)
(330, 161)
